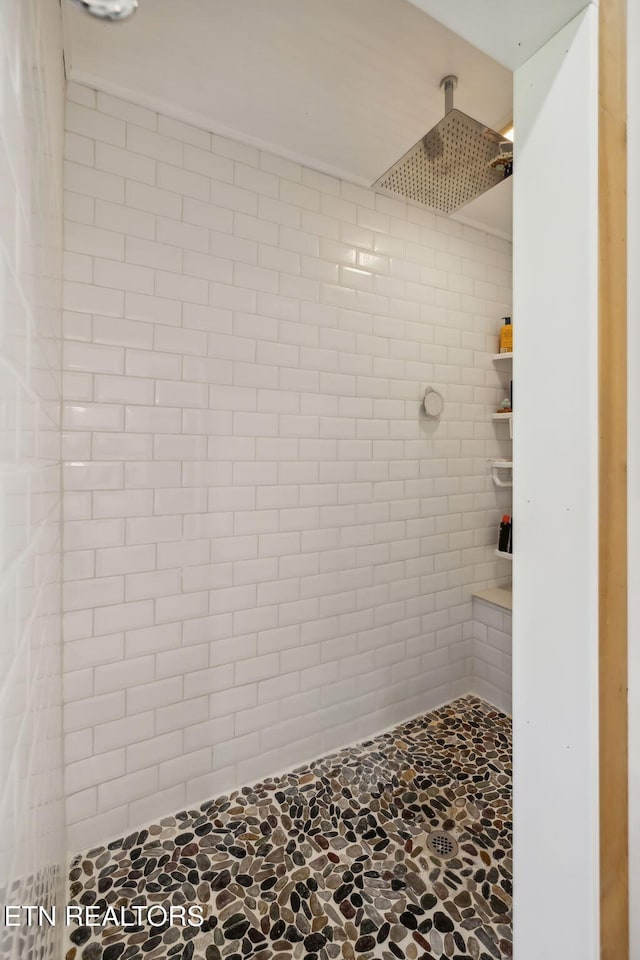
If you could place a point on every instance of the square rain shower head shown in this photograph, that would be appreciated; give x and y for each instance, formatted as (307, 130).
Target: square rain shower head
(450, 166)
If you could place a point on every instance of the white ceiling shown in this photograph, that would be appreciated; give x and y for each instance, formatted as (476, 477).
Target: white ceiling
(510, 31)
(346, 86)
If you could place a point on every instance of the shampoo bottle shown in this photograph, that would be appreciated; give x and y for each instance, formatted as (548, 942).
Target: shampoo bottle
(504, 535)
(506, 336)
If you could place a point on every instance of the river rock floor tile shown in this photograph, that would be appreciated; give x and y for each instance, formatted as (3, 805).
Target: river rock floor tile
(330, 861)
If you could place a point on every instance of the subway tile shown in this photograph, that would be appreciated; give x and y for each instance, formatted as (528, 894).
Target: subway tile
(152, 144)
(257, 180)
(150, 696)
(92, 123)
(183, 236)
(207, 734)
(90, 771)
(175, 286)
(247, 721)
(281, 167)
(92, 416)
(151, 585)
(78, 208)
(207, 163)
(276, 211)
(122, 276)
(229, 297)
(255, 278)
(299, 195)
(79, 93)
(83, 534)
(235, 198)
(246, 459)
(258, 668)
(122, 560)
(93, 476)
(123, 616)
(180, 715)
(184, 132)
(111, 793)
(171, 663)
(147, 753)
(121, 446)
(208, 268)
(123, 674)
(124, 220)
(121, 503)
(127, 333)
(95, 592)
(93, 183)
(94, 710)
(131, 113)
(151, 254)
(183, 182)
(235, 248)
(141, 196)
(94, 241)
(213, 216)
(185, 552)
(87, 298)
(123, 163)
(77, 326)
(179, 501)
(185, 767)
(148, 364)
(208, 682)
(82, 805)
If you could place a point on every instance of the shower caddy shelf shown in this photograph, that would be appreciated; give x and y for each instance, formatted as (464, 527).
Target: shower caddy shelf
(499, 465)
(501, 357)
(502, 466)
(505, 417)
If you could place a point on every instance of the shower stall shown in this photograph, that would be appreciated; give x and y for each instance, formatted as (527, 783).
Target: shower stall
(258, 647)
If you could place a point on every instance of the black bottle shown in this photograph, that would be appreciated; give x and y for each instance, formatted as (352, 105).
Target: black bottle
(504, 537)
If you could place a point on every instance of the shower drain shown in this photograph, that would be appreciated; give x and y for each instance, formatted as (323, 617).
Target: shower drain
(442, 844)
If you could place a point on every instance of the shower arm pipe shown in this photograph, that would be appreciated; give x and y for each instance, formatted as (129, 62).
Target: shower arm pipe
(449, 83)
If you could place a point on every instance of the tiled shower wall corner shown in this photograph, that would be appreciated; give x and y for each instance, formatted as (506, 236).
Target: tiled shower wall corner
(32, 844)
(269, 549)
(491, 632)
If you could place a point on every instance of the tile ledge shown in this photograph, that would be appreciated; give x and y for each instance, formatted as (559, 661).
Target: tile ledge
(498, 596)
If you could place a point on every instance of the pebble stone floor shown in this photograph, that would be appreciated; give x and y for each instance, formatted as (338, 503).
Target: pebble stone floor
(329, 861)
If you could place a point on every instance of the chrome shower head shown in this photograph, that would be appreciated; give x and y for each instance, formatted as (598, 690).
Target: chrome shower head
(109, 9)
(453, 163)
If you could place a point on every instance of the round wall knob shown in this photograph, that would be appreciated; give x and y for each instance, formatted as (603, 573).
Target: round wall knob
(433, 403)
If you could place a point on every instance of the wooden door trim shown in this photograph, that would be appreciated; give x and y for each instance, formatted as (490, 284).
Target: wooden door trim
(612, 286)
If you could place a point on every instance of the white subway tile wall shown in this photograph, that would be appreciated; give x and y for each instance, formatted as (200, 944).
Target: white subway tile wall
(269, 549)
(32, 841)
(491, 633)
